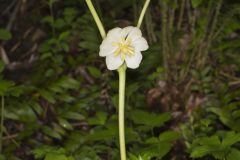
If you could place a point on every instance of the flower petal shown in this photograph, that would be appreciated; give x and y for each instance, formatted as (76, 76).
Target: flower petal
(134, 34)
(106, 48)
(113, 62)
(134, 61)
(125, 31)
(140, 44)
(114, 34)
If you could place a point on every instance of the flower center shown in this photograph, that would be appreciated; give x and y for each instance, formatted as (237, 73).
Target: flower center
(124, 48)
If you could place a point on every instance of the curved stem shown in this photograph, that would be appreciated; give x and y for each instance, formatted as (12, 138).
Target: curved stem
(96, 18)
(2, 119)
(122, 79)
(143, 13)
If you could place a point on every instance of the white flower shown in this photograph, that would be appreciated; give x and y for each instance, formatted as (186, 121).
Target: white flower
(123, 45)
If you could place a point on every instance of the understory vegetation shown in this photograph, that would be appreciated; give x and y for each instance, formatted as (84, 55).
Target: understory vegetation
(59, 101)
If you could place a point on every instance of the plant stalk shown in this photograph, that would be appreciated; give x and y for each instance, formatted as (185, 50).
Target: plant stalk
(122, 80)
(143, 13)
(96, 18)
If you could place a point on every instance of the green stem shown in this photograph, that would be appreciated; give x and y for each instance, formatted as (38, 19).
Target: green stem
(122, 79)
(96, 18)
(143, 13)
(2, 119)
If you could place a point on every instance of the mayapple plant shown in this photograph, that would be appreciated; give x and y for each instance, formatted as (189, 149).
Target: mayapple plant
(122, 48)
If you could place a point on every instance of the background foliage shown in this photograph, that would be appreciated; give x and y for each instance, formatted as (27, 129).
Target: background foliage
(61, 101)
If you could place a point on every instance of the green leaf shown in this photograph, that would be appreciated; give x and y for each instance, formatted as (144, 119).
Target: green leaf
(150, 119)
(64, 35)
(234, 155)
(4, 86)
(51, 132)
(51, 153)
(68, 83)
(169, 136)
(151, 140)
(158, 150)
(132, 157)
(95, 72)
(205, 72)
(230, 139)
(47, 19)
(11, 115)
(106, 134)
(40, 152)
(201, 151)
(37, 108)
(236, 114)
(99, 119)
(56, 88)
(131, 135)
(88, 45)
(17, 91)
(73, 115)
(47, 95)
(213, 140)
(25, 113)
(131, 89)
(59, 23)
(196, 3)
(54, 156)
(163, 149)
(65, 124)
(226, 118)
(66, 98)
(70, 11)
(5, 34)
(220, 153)
(146, 156)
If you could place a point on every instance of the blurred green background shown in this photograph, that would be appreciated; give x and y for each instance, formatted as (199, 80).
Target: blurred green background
(59, 101)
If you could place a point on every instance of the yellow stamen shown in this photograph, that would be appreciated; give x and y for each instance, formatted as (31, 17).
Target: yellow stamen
(124, 48)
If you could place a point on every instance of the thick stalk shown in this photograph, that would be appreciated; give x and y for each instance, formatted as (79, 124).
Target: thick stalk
(122, 79)
(143, 13)
(96, 18)
(2, 119)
